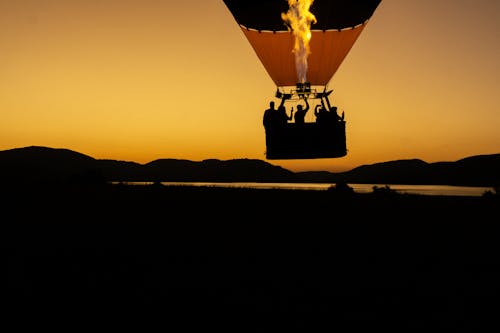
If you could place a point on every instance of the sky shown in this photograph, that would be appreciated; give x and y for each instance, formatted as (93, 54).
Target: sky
(140, 80)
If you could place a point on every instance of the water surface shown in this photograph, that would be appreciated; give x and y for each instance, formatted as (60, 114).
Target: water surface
(358, 188)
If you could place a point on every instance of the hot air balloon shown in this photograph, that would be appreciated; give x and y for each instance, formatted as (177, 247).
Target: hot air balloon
(302, 72)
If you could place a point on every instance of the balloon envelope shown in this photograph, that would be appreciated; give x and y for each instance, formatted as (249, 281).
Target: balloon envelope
(339, 24)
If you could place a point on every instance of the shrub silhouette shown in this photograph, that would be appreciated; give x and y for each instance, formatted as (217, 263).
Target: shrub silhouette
(341, 187)
(384, 190)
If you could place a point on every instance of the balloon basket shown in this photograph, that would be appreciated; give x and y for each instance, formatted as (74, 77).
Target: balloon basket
(306, 141)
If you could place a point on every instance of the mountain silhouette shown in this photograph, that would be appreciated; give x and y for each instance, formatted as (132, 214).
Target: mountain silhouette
(35, 164)
(480, 170)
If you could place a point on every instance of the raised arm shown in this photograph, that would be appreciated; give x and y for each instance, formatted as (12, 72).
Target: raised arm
(323, 105)
(282, 102)
(307, 105)
(316, 112)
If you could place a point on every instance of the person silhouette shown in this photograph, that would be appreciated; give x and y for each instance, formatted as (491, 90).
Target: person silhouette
(334, 115)
(327, 114)
(283, 116)
(321, 113)
(269, 115)
(275, 117)
(300, 114)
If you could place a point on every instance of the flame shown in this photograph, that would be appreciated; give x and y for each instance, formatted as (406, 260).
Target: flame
(299, 19)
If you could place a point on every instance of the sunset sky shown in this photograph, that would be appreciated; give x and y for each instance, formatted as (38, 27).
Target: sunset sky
(139, 80)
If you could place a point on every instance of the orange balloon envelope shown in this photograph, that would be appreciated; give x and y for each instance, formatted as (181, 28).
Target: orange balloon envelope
(338, 25)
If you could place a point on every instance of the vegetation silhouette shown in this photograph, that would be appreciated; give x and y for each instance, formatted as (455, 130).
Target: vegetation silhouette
(341, 188)
(250, 258)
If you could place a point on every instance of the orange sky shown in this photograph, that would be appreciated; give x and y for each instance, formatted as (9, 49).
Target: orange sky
(138, 80)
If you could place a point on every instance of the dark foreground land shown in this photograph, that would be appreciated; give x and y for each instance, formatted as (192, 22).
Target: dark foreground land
(243, 260)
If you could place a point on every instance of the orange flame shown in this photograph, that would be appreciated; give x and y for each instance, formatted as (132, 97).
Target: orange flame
(299, 19)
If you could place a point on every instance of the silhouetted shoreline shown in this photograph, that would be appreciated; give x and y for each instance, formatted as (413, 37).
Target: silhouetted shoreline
(256, 260)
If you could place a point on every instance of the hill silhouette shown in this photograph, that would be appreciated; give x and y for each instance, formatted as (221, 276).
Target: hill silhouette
(44, 164)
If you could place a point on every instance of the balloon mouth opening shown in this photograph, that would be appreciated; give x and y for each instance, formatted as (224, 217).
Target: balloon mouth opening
(301, 90)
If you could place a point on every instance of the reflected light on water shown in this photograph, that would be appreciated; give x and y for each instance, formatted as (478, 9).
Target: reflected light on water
(358, 188)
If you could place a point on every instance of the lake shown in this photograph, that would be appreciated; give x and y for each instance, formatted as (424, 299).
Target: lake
(358, 188)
